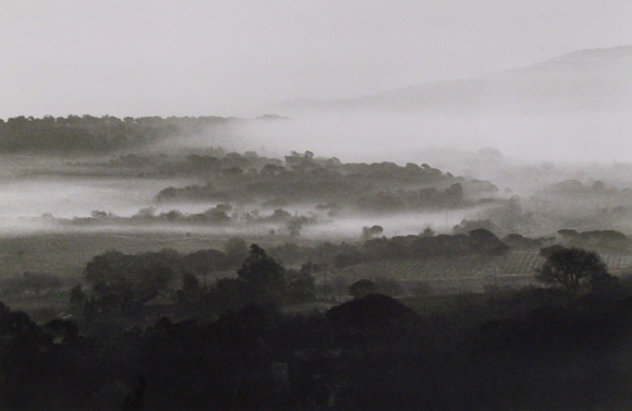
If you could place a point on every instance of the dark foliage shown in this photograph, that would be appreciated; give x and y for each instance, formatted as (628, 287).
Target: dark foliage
(571, 267)
(370, 353)
(376, 187)
(601, 240)
(88, 134)
(264, 275)
(530, 349)
(229, 346)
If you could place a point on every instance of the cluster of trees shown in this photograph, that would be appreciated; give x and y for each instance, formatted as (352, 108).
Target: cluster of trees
(261, 279)
(515, 240)
(574, 269)
(426, 244)
(603, 240)
(381, 187)
(217, 214)
(88, 134)
(114, 269)
(371, 232)
(374, 352)
(575, 188)
(403, 199)
(476, 242)
(220, 214)
(123, 287)
(210, 162)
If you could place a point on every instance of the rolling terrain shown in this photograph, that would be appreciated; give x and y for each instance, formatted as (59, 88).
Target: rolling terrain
(583, 80)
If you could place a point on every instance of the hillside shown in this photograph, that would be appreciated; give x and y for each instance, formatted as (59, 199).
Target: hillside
(591, 80)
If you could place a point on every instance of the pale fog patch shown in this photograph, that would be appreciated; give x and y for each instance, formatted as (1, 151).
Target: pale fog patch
(393, 224)
(407, 137)
(78, 197)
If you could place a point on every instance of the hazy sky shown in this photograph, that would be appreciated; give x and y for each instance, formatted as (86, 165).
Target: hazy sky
(227, 57)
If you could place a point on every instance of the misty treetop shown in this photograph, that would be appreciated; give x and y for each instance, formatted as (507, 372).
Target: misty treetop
(305, 179)
(221, 216)
(302, 177)
(224, 176)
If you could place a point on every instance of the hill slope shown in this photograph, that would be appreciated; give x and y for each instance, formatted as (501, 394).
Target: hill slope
(596, 79)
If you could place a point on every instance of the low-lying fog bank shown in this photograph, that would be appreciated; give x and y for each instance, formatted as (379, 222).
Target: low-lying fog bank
(78, 196)
(524, 173)
(345, 228)
(364, 135)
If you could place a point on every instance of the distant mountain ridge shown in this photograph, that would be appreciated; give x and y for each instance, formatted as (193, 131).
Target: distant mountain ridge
(590, 80)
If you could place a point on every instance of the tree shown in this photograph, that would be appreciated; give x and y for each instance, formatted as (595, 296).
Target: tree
(115, 272)
(428, 232)
(264, 275)
(371, 232)
(571, 267)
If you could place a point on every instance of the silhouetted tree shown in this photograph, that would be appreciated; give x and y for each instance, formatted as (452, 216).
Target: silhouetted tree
(570, 267)
(428, 232)
(371, 232)
(264, 275)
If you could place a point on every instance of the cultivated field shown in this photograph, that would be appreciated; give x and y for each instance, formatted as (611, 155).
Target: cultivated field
(455, 274)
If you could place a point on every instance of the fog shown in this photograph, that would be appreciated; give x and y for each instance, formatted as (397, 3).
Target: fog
(520, 153)
(77, 197)
(25, 200)
(349, 228)
(356, 136)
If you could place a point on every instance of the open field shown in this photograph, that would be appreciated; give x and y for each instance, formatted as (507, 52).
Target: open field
(66, 254)
(457, 274)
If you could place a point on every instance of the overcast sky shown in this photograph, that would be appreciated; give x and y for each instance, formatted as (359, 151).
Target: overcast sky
(227, 57)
